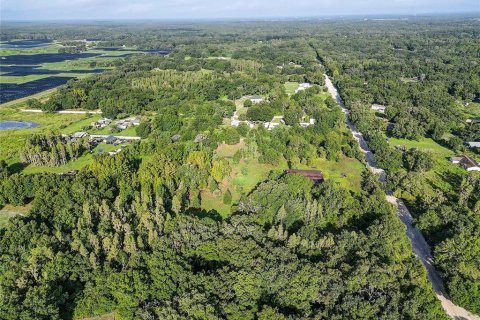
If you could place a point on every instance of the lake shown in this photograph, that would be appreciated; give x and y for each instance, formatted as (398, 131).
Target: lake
(10, 124)
(25, 44)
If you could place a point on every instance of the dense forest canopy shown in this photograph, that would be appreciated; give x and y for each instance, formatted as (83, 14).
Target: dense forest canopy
(128, 233)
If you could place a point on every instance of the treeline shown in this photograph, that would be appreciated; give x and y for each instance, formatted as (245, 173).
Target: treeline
(52, 149)
(449, 219)
(425, 80)
(18, 189)
(119, 238)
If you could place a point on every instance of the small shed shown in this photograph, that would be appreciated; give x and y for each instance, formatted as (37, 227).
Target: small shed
(315, 176)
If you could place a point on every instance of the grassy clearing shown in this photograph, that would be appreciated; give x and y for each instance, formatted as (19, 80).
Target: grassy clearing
(13, 140)
(248, 173)
(473, 110)
(426, 144)
(114, 53)
(20, 103)
(445, 175)
(53, 48)
(33, 77)
(242, 180)
(347, 171)
(290, 87)
(10, 211)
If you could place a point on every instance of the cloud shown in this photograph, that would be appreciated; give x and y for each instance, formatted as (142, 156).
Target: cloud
(177, 9)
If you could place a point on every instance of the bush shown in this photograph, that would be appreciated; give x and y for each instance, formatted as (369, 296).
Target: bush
(227, 197)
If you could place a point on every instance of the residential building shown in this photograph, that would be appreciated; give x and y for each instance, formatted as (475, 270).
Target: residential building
(303, 86)
(79, 135)
(379, 108)
(468, 163)
(254, 99)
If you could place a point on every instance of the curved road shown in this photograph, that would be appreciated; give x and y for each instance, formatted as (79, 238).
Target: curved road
(419, 245)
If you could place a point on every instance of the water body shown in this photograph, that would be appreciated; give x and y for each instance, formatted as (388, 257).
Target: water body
(23, 65)
(13, 91)
(10, 124)
(40, 58)
(25, 44)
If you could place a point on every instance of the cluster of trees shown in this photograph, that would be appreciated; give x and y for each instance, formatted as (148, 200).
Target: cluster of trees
(420, 78)
(118, 237)
(52, 149)
(127, 234)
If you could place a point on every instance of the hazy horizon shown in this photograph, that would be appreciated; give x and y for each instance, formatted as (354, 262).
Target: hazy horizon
(30, 10)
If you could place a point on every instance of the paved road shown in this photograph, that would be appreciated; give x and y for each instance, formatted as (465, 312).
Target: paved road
(419, 245)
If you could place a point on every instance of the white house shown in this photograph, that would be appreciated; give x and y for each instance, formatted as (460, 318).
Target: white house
(125, 123)
(102, 123)
(311, 122)
(379, 108)
(79, 135)
(271, 125)
(303, 86)
(254, 99)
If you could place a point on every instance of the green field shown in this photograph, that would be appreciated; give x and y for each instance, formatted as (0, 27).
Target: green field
(425, 144)
(290, 87)
(441, 175)
(10, 211)
(13, 140)
(68, 65)
(249, 172)
(52, 48)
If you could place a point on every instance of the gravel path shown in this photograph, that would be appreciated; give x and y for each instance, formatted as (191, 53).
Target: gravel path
(419, 245)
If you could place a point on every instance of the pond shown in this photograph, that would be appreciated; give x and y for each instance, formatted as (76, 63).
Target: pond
(10, 124)
(25, 44)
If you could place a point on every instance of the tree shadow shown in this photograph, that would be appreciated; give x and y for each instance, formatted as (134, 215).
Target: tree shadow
(202, 213)
(16, 167)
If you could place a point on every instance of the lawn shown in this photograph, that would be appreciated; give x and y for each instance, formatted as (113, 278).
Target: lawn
(244, 177)
(242, 180)
(290, 87)
(53, 48)
(347, 171)
(445, 175)
(13, 140)
(10, 211)
(248, 173)
(426, 144)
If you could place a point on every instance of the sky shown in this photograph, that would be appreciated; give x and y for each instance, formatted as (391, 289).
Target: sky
(221, 9)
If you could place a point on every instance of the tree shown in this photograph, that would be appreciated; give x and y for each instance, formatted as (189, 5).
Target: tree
(227, 197)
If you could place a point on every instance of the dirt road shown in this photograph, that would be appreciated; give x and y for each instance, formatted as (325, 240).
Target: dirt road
(419, 245)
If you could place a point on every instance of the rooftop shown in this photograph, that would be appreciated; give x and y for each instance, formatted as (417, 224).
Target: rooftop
(315, 176)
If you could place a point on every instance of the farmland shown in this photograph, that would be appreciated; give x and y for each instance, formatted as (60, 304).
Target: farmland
(30, 67)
